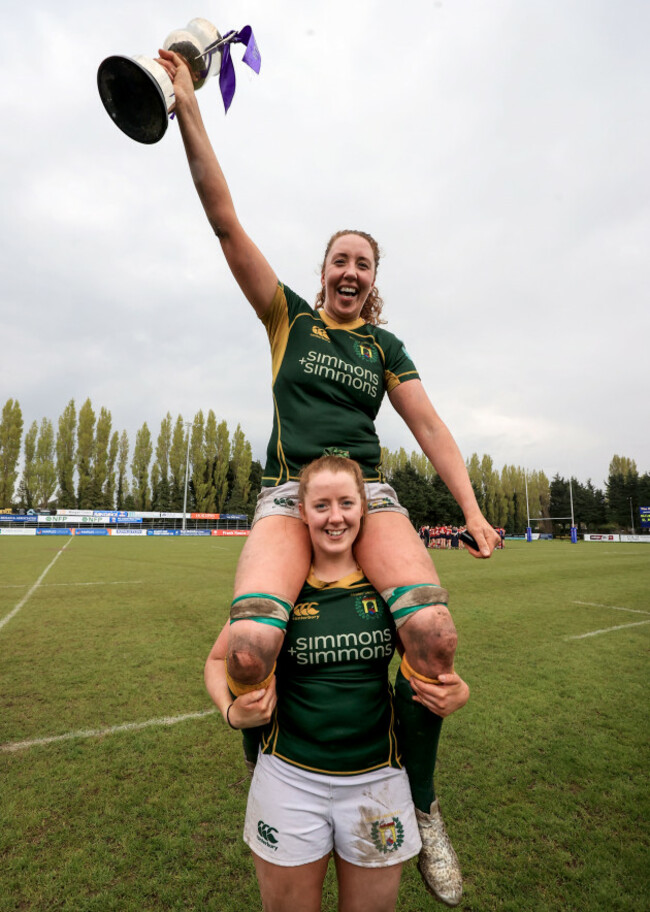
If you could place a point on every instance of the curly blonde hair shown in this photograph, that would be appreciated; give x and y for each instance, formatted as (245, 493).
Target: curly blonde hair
(373, 306)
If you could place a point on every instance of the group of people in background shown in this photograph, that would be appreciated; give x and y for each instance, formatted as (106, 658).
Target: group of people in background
(448, 537)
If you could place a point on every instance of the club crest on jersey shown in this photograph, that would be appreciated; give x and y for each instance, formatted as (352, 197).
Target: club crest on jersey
(365, 352)
(368, 606)
(320, 333)
(387, 834)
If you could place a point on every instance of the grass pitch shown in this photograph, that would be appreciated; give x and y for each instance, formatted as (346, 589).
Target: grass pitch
(122, 790)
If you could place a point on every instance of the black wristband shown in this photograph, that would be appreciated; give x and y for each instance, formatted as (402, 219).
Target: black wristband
(228, 718)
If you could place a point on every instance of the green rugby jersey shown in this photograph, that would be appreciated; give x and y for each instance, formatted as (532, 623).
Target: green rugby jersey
(335, 703)
(329, 380)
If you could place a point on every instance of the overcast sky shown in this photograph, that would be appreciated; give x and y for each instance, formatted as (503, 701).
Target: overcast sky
(498, 152)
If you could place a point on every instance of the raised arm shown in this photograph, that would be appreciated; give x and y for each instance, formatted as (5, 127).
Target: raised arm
(252, 272)
(413, 405)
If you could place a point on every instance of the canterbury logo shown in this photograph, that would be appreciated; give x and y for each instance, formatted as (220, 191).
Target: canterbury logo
(320, 333)
(265, 832)
(305, 610)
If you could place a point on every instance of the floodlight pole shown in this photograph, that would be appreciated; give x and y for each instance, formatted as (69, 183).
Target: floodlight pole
(632, 516)
(529, 531)
(187, 471)
(574, 531)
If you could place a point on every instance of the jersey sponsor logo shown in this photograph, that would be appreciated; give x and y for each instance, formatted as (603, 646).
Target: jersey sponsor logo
(368, 606)
(335, 369)
(305, 611)
(320, 333)
(366, 352)
(387, 834)
(331, 649)
(266, 835)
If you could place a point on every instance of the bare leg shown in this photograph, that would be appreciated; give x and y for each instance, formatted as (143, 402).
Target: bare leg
(295, 889)
(275, 560)
(367, 889)
(392, 554)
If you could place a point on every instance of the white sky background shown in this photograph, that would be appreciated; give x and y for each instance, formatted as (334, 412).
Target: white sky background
(499, 152)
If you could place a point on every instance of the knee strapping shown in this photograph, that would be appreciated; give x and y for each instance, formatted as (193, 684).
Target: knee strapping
(237, 688)
(404, 600)
(261, 607)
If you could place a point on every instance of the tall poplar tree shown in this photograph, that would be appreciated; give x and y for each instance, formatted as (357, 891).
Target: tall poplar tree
(221, 464)
(240, 466)
(11, 432)
(160, 486)
(142, 453)
(210, 444)
(108, 496)
(123, 490)
(85, 456)
(100, 462)
(65, 455)
(27, 493)
(45, 466)
(198, 463)
(177, 459)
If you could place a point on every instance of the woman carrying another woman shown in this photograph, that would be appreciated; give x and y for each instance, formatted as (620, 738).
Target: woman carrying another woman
(331, 368)
(329, 774)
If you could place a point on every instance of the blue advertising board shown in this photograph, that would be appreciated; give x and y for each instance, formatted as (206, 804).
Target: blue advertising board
(644, 515)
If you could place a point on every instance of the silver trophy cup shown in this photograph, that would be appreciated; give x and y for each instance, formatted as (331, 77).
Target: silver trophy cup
(137, 92)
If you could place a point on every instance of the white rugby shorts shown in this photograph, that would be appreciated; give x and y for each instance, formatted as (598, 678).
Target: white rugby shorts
(283, 500)
(294, 817)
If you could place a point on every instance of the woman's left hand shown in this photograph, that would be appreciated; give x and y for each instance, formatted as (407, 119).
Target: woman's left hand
(486, 537)
(442, 699)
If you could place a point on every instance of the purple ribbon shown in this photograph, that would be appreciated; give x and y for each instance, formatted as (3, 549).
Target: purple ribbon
(227, 72)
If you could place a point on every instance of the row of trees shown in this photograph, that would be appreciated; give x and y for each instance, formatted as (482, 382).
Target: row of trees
(89, 465)
(502, 495)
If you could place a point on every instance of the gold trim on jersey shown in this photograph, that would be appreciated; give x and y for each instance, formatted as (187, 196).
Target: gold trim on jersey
(347, 582)
(393, 380)
(332, 324)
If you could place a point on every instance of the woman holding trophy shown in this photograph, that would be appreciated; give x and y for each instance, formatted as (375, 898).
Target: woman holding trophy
(332, 366)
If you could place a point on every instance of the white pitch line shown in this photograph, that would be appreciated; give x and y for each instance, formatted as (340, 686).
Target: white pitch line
(611, 607)
(11, 747)
(14, 612)
(98, 583)
(594, 633)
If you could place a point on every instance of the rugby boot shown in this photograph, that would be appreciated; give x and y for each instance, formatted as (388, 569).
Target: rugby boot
(438, 862)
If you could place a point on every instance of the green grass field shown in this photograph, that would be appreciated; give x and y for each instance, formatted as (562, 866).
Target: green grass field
(542, 777)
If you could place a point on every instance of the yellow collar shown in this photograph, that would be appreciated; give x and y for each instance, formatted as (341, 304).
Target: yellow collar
(332, 324)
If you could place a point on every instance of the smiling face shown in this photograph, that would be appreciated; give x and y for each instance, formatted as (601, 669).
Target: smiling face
(348, 277)
(332, 508)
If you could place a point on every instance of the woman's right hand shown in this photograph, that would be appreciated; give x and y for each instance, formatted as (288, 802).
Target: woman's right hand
(179, 73)
(443, 699)
(254, 708)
